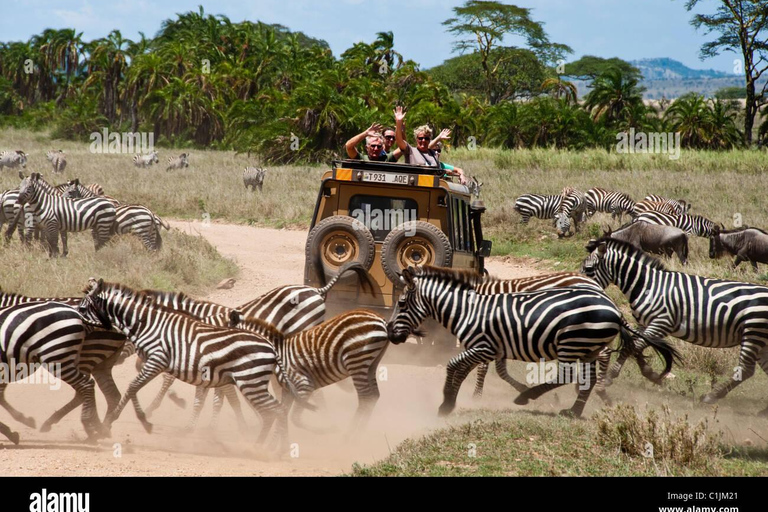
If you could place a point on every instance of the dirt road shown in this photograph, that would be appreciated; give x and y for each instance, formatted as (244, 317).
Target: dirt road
(267, 258)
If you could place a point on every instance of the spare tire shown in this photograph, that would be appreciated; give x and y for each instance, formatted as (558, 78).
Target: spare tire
(341, 240)
(414, 243)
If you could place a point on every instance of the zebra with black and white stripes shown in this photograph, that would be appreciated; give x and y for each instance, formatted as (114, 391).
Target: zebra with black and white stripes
(56, 214)
(193, 351)
(349, 345)
(569, 325)
(692, 224)
(48, 335)
(537, 205)
(58, 160)
(654, 203)
(13, 159)
(254, 178)
(291, 309)
(178, 162)
(573, 207)
(73, 189)
(707, 312)
(100, 351)
(145, 161)
(608, 201)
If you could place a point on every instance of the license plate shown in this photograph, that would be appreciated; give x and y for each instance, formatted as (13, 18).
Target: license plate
(385, 177)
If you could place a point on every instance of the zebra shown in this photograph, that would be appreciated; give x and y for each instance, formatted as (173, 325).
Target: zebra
(608, 201)
(11, 214)
(145, 161)
(73, 189)
(55, 214)
(58, 160)
(48, 335)
(290, 309)
(254, 178)
(178, 162)
(660, 204)
(570, 325)
(691, 224)
(13, 159)
(349, 345)
(680, 206)
(195, 352)
(536, 205)
(100, 352)
(572, 206)
(133, 219)
(707, 312)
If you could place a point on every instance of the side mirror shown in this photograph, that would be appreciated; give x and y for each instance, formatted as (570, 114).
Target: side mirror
(485, 248)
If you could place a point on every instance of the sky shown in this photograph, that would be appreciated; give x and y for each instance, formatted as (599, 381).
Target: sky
(628, 29)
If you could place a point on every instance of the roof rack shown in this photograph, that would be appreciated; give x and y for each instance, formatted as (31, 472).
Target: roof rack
(368, 165)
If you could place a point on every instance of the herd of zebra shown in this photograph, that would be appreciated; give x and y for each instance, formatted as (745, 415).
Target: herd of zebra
(658, 225)
(565, 317)
(46, 211)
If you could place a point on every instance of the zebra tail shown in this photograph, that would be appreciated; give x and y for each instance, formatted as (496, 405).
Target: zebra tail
(666, 351)
(365, 279)
(161, 222)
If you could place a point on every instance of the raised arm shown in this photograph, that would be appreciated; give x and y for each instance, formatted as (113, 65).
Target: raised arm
(444, 135)
(400, 129)
(351, 145)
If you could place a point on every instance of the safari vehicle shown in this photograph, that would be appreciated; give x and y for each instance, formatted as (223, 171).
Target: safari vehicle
(387, 217)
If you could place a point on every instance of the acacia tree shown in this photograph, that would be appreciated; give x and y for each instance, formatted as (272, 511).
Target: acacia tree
(742, 25)
(484, 26)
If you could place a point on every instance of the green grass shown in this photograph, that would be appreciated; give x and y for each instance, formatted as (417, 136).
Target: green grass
(187, 263)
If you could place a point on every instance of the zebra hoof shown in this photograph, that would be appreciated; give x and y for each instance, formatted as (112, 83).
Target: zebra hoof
(147, 426)
(14, 437)
(446, 409)
(46, 427)
(709, 399)
(522, 399)
(28, 421)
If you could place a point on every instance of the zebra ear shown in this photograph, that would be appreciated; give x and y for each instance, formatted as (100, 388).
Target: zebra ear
(234, 318)
(21, 175)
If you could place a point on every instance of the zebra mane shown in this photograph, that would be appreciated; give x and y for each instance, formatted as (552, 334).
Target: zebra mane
(146, 297)
(630, 250)
(262, 327)
(178, 296)
(466, 277)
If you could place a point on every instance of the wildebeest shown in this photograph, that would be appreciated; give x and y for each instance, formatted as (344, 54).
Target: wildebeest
(748, 244)
(654, 238)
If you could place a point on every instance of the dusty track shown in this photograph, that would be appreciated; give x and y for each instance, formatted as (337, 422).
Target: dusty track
(267, 258)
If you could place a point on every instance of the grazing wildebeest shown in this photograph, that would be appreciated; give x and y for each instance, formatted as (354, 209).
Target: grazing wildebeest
(654, 238)
(748, 244)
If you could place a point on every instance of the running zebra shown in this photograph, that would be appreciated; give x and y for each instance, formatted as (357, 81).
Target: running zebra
(13, 159)
(536, 205)
(290, 309)
(56, 214)
(570, 325)
(349, 345)
(145, 161)
(178, 162)
(490, 286)
(608, 201)
(691, 224)
(572, 207)
(58, 160)
(707, 312)
(47, 335)
(254, 178)
(197, 353)
(100, 352)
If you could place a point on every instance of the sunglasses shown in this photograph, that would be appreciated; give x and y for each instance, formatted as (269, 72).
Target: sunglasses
(424, 138)
(376, 146)
(389, 137)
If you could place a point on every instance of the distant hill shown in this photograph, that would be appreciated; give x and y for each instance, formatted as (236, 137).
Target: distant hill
(668, 78)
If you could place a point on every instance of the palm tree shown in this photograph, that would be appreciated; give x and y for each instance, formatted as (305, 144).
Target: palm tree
(560, 89)
(613, 92)
(689, 115)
